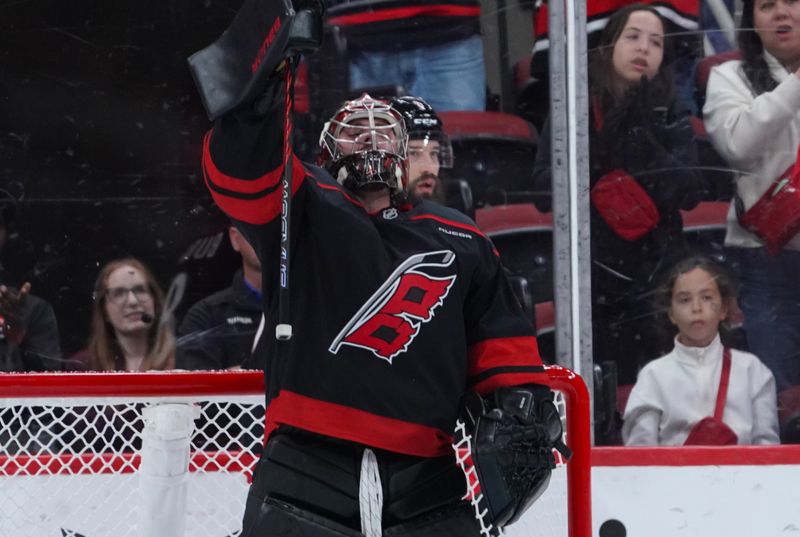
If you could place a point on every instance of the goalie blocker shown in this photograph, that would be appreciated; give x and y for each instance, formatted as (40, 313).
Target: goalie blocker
(236, 68)
(504, 445)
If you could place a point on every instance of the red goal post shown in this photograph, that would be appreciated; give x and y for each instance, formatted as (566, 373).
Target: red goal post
(171, 453)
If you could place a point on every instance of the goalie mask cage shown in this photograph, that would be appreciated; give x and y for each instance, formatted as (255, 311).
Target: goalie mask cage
(169, 454)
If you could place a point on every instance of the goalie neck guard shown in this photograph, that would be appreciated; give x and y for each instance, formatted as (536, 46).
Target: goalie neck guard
(364, 146)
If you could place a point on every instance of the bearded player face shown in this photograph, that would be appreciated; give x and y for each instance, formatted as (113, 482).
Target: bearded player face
(424, 165)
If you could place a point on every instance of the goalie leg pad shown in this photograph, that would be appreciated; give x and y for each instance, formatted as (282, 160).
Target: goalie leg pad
(276, 518)
(308, 472)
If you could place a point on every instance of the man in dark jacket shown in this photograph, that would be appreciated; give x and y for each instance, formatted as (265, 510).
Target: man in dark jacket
(28, 329)
(218, 332)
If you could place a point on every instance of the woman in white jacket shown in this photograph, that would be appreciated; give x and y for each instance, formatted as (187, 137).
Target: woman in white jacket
(752, 115)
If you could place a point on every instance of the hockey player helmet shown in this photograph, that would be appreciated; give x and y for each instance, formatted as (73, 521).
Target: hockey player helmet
(364, 144)
(422, 123)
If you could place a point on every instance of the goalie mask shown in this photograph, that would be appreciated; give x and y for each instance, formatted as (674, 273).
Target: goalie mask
(364, 145)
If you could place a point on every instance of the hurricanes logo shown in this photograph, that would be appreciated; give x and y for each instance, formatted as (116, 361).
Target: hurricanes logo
(390, 320)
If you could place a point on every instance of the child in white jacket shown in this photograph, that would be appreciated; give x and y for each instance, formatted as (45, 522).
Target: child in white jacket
(678, 390)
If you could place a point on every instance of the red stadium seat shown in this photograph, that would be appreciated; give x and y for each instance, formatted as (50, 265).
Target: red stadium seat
(789, 415)
(516, 218)
(707, 216)
(471, 124)
(495, 153)
(703, 71)
(545, 331)
(524, 238)
(623, 393)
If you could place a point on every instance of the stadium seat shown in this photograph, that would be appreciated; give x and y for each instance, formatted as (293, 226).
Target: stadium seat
(545, 331)
(495, 153)
(703, 71)
(789, 415)
(704, 228)
(523, 236)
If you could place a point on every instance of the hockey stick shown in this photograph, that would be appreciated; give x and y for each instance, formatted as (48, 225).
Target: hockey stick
(283, 330)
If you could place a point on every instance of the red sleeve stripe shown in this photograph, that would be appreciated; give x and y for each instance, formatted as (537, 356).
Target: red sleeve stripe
(341, 191)
(339, 421)
(255, 210)
(237, 186)
(490, 384)
(453, 223)
(405, 13)
(503, 352)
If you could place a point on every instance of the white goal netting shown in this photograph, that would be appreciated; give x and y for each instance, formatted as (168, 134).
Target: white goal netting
(156, 459)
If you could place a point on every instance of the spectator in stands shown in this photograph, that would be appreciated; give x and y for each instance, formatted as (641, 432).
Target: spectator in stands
(128, 332)
(676, 391)
(218, 332)
(682, 19)
(429, 148)
(751, 116)
(432, 49)
(641, 147)
(28, 328)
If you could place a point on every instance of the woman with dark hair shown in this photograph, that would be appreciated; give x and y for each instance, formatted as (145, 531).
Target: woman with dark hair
(642, 155)
(752, 115)
(127, 332)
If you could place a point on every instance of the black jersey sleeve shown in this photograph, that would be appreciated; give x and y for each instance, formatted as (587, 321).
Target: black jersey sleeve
(243, 166)
(501, 341)
(244, 161)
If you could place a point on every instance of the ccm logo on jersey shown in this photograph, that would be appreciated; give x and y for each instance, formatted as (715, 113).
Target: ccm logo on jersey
(390, 320)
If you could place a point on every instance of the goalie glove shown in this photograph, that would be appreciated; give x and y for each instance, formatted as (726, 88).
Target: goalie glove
(237, 67)
(506, 452)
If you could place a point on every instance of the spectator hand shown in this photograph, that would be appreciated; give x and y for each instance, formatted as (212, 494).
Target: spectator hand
(11, 317)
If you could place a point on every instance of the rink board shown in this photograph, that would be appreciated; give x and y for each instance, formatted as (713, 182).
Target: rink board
(81, 504)
(697, 492)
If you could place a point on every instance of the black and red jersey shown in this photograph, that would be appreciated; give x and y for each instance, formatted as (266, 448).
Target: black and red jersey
(366, 23)
(395, 314)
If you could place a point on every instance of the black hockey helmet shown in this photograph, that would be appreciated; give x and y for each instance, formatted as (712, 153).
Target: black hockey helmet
(423, 123)
(364, 145)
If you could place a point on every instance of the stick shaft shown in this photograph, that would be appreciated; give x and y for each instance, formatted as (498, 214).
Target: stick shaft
(283, 330)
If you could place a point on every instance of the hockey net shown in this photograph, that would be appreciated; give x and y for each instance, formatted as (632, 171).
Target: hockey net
(171, 454)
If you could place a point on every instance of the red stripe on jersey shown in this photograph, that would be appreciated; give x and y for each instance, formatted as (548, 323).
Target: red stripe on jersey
(489, 385)
(405, 13)
(339, 421)
(503, 352)
(453, 223)
(341, 191)
(259, 210)
(239, 186)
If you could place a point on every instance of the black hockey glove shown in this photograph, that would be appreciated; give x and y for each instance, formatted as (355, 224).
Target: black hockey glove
(505, 448)
(236, 68)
